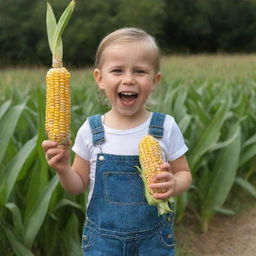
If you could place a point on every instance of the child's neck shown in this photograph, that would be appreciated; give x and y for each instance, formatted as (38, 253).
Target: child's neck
(115, 120)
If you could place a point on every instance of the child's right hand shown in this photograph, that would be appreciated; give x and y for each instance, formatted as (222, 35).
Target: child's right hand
(56, 156)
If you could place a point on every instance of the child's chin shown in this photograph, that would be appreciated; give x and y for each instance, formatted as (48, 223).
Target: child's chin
(127, 112)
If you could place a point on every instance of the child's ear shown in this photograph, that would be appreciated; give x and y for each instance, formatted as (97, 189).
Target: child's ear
(98, 78)
(156, 80)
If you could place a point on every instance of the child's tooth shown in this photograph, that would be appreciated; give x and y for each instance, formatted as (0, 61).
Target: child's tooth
(128, 93)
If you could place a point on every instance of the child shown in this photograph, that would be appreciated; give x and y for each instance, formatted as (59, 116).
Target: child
(119, 221)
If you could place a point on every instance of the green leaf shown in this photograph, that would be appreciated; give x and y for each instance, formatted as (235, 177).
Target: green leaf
(225, 143)
(19, 248)
(41, 125)
(196, 105)
(181, 204)
(247, 154)
(66, 202)
(13, 168)
(16, 217)
(179, 108)
(225, 211)
(246, 185)
(209, 137)
(223, 177)
(38, 213)
(4, 107)
(251, 140)
(184, 123)
(33, 187)
(72, 237)
(8, 126)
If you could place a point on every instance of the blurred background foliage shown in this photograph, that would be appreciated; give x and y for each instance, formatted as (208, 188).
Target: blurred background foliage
(185, 26)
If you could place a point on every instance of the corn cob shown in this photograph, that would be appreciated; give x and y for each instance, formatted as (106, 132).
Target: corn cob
(57, 115)
(150, 156)
(58, 105)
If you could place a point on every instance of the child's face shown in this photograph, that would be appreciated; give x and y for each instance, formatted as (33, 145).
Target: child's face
(127, 76)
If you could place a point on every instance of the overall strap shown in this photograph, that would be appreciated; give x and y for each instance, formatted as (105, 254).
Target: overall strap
(97, 129)
(156, 127)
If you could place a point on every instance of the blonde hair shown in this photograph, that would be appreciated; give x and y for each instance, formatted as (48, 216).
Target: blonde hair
(128, 34)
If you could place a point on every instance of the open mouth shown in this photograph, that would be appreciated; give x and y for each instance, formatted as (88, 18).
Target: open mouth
(127, 95)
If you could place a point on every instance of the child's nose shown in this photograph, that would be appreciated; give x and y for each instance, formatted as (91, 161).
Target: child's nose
(129, 79)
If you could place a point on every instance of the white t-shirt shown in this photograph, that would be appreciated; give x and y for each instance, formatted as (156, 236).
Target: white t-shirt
(125, 142)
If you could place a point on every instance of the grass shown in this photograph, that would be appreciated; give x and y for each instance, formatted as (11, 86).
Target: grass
(223, 67)
(175, 67)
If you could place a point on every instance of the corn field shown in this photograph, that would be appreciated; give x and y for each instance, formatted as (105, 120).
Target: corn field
(211, 97)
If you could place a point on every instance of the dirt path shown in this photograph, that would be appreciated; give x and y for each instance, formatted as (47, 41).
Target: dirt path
(227, 236)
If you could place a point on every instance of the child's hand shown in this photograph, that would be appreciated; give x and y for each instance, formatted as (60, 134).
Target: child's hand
(165, 182)
(56, 156)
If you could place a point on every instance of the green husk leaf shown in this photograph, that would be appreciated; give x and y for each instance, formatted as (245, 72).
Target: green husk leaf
(62, 23)
(51, 25)
(162, 205)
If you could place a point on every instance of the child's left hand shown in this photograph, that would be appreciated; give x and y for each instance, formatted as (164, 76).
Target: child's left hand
(164, 181)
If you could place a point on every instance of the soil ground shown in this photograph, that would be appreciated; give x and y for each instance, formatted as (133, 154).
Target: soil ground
(227, 236)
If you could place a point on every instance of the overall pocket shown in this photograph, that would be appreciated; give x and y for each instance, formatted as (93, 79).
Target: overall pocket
(124, 188)
(167, 236)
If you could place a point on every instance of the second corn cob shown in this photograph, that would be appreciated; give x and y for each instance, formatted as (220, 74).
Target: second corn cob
(150, 156)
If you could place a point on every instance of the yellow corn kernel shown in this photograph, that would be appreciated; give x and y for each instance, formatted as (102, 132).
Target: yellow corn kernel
(150, 156)
(57, 120)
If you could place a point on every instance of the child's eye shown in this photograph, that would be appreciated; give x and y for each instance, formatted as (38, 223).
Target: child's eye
(116, 71)
(140, 71)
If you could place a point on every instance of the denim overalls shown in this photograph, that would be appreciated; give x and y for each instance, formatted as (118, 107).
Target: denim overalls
(119, 221)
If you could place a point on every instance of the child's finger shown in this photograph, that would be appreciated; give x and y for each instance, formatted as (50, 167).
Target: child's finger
(53, 152)
(165, 165)
(160, 185)
(46, 144)
(54, 160)
(165, 195)
(162, 176)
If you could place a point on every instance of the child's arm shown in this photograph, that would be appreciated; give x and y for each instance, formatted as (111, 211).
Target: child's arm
(75, 178)
(174, 179)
